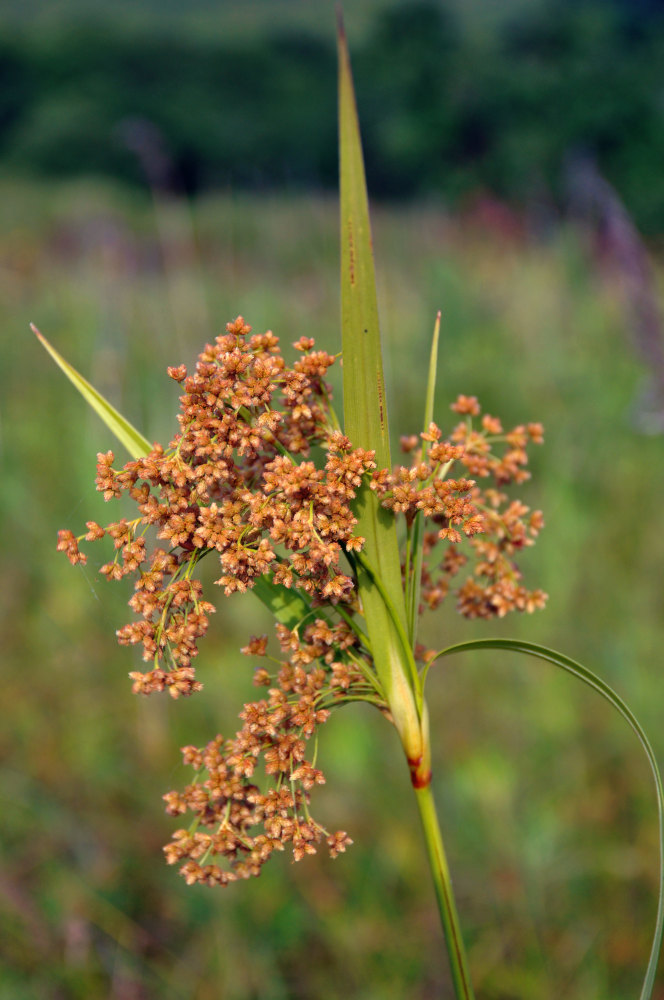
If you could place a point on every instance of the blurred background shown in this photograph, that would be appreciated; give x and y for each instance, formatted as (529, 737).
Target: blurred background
(162, 171)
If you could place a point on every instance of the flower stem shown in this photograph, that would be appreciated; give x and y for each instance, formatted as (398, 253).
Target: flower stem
(443, 886)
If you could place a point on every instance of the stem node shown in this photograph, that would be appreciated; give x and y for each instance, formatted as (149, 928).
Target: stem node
(420, 773)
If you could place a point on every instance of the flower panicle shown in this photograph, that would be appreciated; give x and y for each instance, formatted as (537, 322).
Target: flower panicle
(460, 509)
(243, 479)
(237, 480)
(239, 821)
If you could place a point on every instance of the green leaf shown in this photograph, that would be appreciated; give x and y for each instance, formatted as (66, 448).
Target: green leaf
(365, 416)
(289, 607)
(595, 682)
(133, 440)
(415, 555)
(365, 405)
(431, 377)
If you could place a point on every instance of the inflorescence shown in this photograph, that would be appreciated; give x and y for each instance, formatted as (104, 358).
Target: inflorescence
(261, 474)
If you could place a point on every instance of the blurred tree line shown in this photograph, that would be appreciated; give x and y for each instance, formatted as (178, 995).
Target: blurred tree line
(444, 113)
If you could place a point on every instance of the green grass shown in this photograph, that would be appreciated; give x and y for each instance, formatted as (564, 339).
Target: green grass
(546, 802)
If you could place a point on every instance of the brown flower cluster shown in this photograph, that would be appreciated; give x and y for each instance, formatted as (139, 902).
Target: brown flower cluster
(241, 480)
(495, 529)
(237, 826)
(236, 481)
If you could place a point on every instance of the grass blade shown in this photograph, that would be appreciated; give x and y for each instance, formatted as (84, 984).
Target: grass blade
(127, 435)
(431, 377)
(607, 692)
(365, 416)
(365, 406)
(416, 540)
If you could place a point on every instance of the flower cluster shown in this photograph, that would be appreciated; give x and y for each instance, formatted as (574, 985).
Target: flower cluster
(238, 826)
(459, 508)
(260, 474)
(236, 480)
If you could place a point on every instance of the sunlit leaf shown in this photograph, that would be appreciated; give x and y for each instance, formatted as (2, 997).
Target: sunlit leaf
(432, 375)
(365, 405)
(127, 435)
(415, 554)
(365, 414)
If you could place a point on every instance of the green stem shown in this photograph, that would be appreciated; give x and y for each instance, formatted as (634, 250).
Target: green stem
(447, 908)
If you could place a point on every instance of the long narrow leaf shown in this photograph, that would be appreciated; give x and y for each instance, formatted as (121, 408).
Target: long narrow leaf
(607, 692)
(365, 415)
(133, 440)
(431, 377)
(365, 405)
(416, 547)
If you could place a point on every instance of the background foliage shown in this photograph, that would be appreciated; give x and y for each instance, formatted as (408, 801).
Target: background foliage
(448, 105)
(546, 801)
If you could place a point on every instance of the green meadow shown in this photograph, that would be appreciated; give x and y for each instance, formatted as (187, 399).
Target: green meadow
(545, 797)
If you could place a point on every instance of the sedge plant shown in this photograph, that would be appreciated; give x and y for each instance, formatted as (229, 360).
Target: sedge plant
(303, 507)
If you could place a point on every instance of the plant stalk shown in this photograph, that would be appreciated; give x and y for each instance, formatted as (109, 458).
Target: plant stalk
(444, 894)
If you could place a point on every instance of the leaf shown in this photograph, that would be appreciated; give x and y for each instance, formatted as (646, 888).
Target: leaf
(415, 556)
(133, 440)
(607, 692)
(289, 607)
(365, 417)
(365, 405)
(431, 377)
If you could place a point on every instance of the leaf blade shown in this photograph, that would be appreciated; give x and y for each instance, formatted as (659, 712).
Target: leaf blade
(365, 407)
(416, 537)
(289, 607)
(431, 376)
(136, 444)
(366, 422)
(592, 680)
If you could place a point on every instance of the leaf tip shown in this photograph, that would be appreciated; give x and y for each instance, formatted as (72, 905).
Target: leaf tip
(341, 30)
(436, 336)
